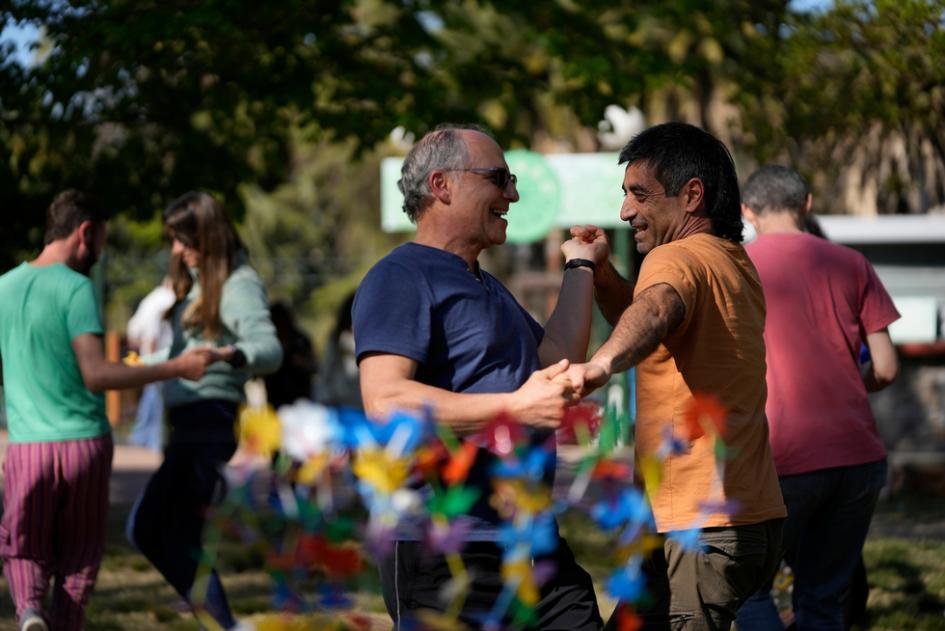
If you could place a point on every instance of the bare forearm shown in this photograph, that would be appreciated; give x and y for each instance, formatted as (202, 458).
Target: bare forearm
(113, 376)
(631, 342)
(883, 367)
(643, 326)
(568, 330)
(463, 413)
(612, 291)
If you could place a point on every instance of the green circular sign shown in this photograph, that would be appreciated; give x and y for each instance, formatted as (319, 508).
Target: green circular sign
(534, 215)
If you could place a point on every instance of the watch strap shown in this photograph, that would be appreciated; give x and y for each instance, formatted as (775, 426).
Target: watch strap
(573, 263)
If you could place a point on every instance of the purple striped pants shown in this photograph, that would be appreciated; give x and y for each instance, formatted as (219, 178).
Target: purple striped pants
(54, 524)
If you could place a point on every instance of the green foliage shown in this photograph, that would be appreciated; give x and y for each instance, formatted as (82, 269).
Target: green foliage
(283, 108)
(842, 83)
(313, 237)
(142, 101)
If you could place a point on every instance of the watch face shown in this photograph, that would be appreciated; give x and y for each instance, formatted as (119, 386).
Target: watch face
(238, 360)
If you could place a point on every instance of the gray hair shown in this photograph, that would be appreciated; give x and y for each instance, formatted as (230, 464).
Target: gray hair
(442, 148)
(775, 188)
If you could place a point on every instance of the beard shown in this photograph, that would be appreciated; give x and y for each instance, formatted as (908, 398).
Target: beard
(83, 264)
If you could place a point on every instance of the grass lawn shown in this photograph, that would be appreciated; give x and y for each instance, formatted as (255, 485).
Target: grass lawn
(907, 577)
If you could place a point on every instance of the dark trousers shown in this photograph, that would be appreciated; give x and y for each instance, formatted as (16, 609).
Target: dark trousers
(167, 522)
(412, 579)
(701, 590)
(829, 514)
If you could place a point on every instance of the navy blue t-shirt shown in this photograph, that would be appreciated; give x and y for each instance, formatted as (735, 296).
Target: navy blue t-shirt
(466, 332)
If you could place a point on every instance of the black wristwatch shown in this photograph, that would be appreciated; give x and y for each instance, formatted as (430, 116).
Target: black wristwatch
(238, 359)
(573, 263)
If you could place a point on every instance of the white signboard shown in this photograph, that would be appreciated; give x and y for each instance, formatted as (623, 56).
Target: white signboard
(556, 190)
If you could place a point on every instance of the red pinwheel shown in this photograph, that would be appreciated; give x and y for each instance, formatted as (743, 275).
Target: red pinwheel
(580, 423)
(704, 412)
(502, 435)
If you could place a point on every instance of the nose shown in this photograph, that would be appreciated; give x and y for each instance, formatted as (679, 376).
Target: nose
(511, 192)
(627, 211)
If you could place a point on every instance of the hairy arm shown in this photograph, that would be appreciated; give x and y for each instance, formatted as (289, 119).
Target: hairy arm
(613, 292)
(388, 384)
(649, 319)
(100, 374)
(883, 369)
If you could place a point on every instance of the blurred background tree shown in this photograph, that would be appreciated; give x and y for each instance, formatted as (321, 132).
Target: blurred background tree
(285, 109)
(854, 97)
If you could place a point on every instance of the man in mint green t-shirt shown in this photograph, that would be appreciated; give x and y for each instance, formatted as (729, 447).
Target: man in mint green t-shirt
(60, 449)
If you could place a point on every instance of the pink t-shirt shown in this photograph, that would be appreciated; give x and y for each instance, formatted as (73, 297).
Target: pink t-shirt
(822, 299)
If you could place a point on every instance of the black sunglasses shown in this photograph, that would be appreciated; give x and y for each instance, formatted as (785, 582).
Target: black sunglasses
(500, 176)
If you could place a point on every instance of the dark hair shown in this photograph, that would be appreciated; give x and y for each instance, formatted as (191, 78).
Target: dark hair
(68, 210)
(198, 221)
(442, 148)
(775, 188)
(678, 152)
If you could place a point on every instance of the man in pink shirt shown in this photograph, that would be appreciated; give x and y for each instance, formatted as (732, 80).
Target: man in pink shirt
(824, 301)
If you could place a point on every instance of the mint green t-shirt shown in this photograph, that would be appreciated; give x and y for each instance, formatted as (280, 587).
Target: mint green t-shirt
(42, 308)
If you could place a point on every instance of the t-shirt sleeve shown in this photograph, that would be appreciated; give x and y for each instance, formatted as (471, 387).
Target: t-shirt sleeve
(537, 330)
(392, 313)
(672, 266)
(877, 310)
(82, 314)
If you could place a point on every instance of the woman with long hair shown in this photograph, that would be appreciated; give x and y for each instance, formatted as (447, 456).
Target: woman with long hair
(221, 303)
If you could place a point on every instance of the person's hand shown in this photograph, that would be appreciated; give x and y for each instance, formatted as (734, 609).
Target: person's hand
(220, 353)
(587, 242)
(193, 364)
(541, 400)
(585, 378)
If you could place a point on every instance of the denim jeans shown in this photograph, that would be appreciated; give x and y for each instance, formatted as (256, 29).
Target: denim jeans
(829, 513)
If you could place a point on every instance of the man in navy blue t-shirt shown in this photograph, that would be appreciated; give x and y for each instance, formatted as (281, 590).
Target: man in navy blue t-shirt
(432, 329)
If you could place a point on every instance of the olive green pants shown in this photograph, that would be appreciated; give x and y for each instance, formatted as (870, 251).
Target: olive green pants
(697, 590)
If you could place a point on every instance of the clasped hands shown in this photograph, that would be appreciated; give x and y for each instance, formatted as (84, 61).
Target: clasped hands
(542, 400)
(192, 364)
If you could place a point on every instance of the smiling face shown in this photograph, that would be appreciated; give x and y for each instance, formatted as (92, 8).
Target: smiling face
(480, 205)
(655, 217)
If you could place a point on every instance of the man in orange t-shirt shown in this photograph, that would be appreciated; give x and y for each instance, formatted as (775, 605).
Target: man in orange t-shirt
(694, 328)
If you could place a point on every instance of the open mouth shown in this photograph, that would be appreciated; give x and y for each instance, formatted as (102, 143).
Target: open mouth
(498, 213)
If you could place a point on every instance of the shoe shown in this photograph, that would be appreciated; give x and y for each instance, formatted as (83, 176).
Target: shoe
(31, 620)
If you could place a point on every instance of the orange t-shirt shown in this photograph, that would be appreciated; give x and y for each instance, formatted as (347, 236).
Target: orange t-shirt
(717, 350)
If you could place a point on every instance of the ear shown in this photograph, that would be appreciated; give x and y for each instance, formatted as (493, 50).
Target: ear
(439, 186)
(808, 204)
(750, 215)
(86, 233)
(693, 193)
